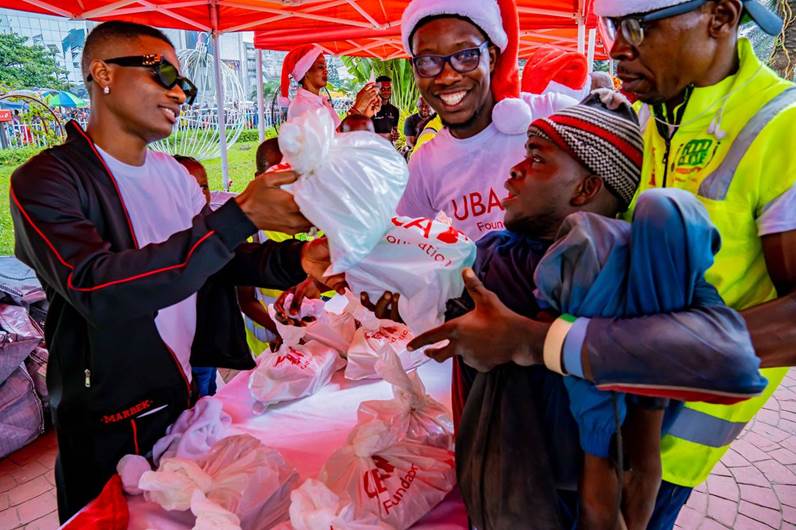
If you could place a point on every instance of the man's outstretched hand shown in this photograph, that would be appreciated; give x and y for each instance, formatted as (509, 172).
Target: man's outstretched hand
(488, 336)
(315, 260)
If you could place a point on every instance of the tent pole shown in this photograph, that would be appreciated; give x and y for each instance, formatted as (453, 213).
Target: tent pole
(581, 35)
(260, 98)
(592, 46)
(222, 126)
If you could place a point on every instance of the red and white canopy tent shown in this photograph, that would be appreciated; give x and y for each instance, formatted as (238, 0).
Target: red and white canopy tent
(350, 27)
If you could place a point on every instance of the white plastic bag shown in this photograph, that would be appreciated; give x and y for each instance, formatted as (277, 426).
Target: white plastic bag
(295, 370)
(195, 431)
(399, 481)
(422, 259)
(350, 183)
(412, 414)
(239, 480)
(373, 340)
(313, 506)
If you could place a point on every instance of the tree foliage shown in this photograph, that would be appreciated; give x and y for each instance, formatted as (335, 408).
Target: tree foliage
(783, 59)
(404, 89)
(28, 66)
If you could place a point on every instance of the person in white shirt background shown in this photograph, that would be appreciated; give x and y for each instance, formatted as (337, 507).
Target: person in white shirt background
(306, 65)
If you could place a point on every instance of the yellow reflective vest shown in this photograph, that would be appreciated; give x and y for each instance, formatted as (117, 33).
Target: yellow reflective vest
(735, 149)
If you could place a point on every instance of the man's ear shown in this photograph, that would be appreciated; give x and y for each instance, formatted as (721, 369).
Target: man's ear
(100, 73)
(494, 53)
(725, 18)
(586, 191)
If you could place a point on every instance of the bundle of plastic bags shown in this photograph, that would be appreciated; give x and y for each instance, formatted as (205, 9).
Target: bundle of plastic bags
(374, 339)
(350, 183)
(397, 480)
(238, 484)
(195, 431)
(422, 259)
(412, 414)
(298, 368)
(313, 506)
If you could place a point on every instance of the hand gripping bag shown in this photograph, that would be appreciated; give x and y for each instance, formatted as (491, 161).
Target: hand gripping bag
(295, 370)
(374, 339)
(412, 414)
(350, 183)
(422, 259)
(398, 480)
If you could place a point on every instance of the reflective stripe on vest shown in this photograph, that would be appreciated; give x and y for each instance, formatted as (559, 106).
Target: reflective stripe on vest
(715, 185)
(701, 428)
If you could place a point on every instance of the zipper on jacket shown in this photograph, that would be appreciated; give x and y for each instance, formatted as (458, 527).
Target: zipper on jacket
(87, 373)
(87, 368)
(666, 160)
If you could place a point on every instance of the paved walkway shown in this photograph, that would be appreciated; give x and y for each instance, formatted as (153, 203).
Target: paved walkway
(754, 487)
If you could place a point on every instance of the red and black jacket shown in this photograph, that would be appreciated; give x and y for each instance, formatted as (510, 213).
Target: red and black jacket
(108, 364)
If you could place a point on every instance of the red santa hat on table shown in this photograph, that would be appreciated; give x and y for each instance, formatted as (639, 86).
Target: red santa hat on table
(499, 20)
(554, 70)
(296, 65)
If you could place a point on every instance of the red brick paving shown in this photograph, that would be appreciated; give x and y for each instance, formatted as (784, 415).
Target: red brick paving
(753, 488)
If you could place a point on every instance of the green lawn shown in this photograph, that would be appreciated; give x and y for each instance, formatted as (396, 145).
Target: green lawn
(241, 170)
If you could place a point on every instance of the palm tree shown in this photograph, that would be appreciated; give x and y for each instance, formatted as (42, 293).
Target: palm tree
(404, 90)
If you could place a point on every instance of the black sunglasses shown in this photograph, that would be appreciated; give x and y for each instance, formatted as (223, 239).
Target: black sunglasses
(166, 74)
(462, 61)
(633, 27)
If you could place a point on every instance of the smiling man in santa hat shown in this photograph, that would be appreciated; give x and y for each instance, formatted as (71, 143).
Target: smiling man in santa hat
(464, 54)
(306, 65)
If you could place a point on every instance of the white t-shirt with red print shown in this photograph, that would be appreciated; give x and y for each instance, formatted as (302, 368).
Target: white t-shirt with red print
(464, 177)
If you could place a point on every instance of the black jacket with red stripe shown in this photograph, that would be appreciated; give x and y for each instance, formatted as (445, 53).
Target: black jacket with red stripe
(109, 368)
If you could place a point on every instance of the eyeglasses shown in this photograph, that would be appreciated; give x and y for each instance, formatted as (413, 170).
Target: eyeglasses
(633, 27)
(462, 61)
(165, 73)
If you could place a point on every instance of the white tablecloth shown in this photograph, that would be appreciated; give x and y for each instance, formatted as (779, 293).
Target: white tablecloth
(307, 432)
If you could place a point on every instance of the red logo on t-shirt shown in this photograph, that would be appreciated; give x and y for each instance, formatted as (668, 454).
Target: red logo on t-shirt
(472, 205)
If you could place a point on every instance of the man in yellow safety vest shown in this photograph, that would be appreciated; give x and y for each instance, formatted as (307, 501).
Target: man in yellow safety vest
(720, 124)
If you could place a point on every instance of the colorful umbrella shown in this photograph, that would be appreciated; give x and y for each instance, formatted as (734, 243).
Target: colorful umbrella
(61, 98)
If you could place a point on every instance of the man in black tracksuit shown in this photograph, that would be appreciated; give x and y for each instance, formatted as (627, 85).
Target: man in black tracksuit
(114, 383)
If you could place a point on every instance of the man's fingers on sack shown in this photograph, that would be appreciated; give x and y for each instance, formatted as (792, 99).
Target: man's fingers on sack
(298, 298)
(441, 354)
(383, 305)
(279, 178)
(364, 299)
(474, 286)
(395, 315)
(444, 332)
(334, 283)
(279, 304)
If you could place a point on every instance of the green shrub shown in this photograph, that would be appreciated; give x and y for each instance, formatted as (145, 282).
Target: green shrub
(18, 156)
(251, 135)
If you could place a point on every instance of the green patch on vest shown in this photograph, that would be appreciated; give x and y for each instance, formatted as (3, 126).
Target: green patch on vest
(695, 153)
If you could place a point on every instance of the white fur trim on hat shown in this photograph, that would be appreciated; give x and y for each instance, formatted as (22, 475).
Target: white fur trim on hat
(305, 63)
(484, 13)
(512, 116)
(620, 8)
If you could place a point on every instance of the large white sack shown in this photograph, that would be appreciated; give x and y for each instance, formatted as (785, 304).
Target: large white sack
(350, 183)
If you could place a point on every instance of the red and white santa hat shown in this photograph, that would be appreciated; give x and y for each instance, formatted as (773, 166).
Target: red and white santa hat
(296, 65)
(559, 71)
(499, 20)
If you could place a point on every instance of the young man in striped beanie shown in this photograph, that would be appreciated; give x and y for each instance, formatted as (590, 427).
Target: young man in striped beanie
(524, 427)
